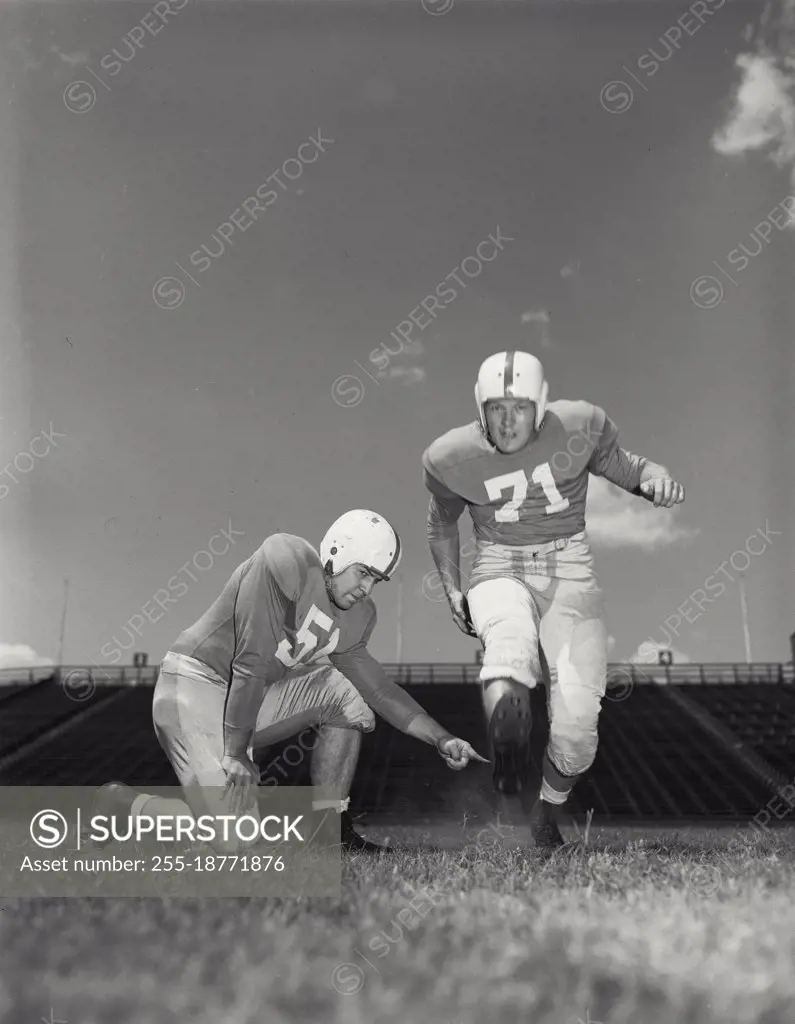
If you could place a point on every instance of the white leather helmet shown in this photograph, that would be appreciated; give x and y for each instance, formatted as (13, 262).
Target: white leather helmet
(512, 375)
(365, 537)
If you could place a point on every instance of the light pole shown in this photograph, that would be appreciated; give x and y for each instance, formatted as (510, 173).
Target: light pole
(400, 619)
(63, 622)
(744, 611)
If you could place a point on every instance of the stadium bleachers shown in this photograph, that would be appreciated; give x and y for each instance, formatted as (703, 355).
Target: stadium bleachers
(656, 760)
(761, 716)
(30, 713)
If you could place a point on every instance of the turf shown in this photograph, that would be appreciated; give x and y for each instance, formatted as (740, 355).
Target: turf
(665, 930)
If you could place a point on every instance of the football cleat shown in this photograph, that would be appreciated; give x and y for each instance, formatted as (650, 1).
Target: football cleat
(112, 799)
(544, 826)
(509, 739)
(352, 842)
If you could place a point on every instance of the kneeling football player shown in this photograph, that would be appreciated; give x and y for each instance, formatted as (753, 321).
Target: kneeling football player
(244, 677)
(522, 469)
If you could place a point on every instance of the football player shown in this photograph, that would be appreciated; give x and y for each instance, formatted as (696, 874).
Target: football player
(246, 676)
(521, 469)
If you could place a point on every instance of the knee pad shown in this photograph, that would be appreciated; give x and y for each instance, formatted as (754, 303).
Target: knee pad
(511, 653)
(348, 709)
(572, 748)
(515, 666)
(357, 714)
(366, 721)
(353, 713)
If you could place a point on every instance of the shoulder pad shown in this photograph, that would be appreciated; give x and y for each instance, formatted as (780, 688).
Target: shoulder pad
(455, 446)
(574, 415)
(289, 558)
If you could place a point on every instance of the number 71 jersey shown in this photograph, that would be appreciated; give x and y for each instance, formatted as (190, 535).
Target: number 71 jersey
(532, 496)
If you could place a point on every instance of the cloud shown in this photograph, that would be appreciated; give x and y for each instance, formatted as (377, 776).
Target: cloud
(21, 656)
(647, 654)
(571, 268)
(413, 347)
(763, 113)
(540, 319)
(616, 519)
(72, 59)
(536, 316)
(407, 375)
(407, 371)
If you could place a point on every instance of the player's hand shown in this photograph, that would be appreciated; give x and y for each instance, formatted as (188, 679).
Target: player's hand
(242, 778)
(458, 753)
(663, 491)
(460, 609)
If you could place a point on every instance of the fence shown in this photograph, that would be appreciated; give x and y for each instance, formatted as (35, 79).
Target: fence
(408, 674)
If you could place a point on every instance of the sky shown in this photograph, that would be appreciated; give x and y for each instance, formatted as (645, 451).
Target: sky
(151, 400)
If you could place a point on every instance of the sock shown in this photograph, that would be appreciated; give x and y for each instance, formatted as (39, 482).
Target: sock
(334, 805)
(138, 804)
(556, 786)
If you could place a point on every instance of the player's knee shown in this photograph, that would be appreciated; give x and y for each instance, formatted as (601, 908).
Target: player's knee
(360, 716)
(358, 712)
(574, 759)
(350, 710)
(518, 661)
(574, 744)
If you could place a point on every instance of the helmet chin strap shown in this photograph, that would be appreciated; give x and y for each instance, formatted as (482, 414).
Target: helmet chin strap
(330, 593)
(329, 574)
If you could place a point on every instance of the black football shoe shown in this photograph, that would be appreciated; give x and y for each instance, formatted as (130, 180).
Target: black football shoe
(509, 739)
(114, 799)
(352, 842)
(544, 826)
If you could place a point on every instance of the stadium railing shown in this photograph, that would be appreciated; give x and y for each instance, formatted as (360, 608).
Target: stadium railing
(704, 674)
(408, 674)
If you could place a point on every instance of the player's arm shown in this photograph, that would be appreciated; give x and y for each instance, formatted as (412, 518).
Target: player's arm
(444, 510)
(260, 612)
(633, 473)
(392, 703)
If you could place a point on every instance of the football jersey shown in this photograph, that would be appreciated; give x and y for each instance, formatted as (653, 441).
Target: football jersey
(535, 495)
(274, 614)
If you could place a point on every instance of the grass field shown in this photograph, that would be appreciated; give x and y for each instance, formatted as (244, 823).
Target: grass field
(669, 929)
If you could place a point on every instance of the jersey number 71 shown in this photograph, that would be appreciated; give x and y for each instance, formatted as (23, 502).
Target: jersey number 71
(518, 482)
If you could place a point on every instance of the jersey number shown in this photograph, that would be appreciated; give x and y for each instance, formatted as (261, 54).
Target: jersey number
(518, 482)
(306, 640)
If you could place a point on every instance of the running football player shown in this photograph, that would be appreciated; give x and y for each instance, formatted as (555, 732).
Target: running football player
(245, 676)
(521, 469)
